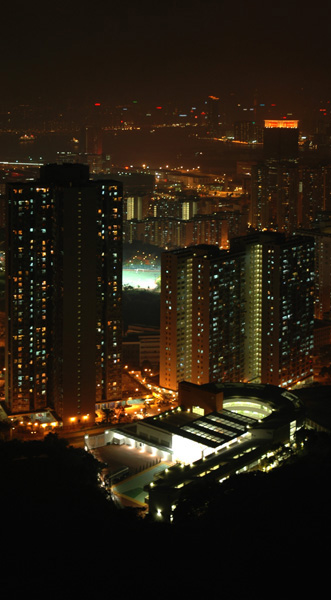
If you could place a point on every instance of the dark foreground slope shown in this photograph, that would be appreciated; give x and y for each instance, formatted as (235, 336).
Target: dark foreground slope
(60, 532)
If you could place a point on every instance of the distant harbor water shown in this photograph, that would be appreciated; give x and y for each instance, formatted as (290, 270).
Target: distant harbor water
(154, 147)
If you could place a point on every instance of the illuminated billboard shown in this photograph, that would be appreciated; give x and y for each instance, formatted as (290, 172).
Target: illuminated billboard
(281, 124)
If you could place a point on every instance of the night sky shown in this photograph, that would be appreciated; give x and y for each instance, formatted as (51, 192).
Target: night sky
(113, 51)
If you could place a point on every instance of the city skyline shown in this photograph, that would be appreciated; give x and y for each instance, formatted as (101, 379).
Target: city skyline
(183, 51)
(147, 123)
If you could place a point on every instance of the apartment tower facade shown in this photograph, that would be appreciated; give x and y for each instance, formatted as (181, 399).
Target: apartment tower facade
(201, 337)
(246, 314)
(63, 293)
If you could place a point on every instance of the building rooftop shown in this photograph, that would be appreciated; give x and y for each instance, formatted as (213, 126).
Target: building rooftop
(211, 430)
(277, 397)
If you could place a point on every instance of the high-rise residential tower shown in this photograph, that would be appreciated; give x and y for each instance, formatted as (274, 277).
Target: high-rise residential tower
(279, 307)
(322, 239)
(281, 139)
(275, 181)
(202, 303)
(246, 314)
(274, 199)
(63, 293)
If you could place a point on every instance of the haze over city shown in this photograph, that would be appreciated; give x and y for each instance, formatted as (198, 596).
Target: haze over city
(165, 290)
(115, 52)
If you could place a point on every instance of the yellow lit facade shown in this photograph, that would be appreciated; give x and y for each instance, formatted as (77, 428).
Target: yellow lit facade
(253, 320)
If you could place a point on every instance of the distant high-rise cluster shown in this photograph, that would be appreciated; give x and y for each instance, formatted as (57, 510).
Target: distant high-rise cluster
(242, 315)
(63, 296)
(287, 194)
(172, 221)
